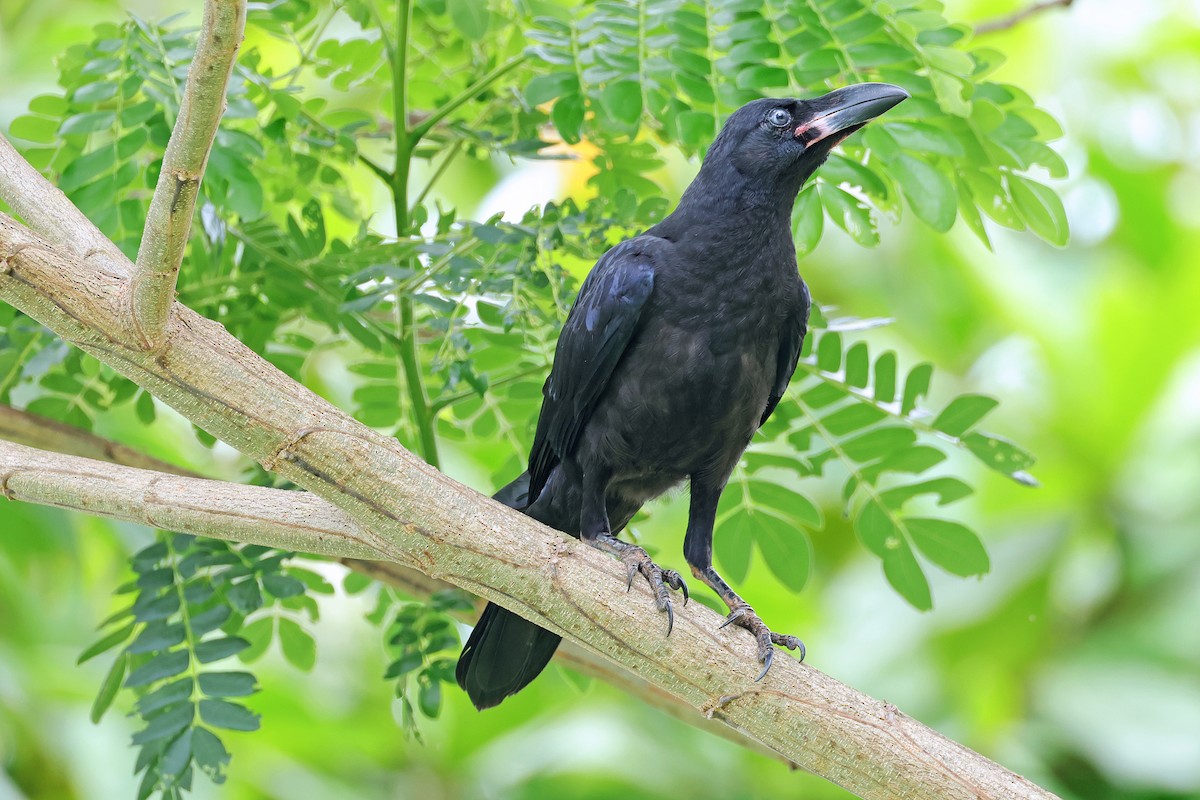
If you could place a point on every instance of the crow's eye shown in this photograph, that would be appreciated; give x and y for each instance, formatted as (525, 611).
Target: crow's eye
(779, 118)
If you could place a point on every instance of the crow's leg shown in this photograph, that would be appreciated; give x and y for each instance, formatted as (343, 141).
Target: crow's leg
(596, 531)
(697, 549)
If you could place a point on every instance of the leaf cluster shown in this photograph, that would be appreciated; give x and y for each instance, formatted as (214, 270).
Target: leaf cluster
(848, 409)
(188, 612)
(422, 645)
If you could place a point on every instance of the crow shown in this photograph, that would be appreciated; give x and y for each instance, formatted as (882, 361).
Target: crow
(679, 346)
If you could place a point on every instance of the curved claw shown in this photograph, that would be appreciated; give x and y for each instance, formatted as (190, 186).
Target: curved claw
(683, 588)
(670, 618)
(633, 570)
(766, 665)
(734, 615)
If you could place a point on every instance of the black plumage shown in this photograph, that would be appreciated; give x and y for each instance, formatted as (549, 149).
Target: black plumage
(679, 346)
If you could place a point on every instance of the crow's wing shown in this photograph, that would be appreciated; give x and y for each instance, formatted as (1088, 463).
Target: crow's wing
(590, 346)
(790, 344)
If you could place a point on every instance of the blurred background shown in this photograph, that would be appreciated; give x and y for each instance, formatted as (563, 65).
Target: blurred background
(1076, 661)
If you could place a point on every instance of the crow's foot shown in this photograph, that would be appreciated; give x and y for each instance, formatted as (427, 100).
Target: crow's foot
(744, 616)
(637, 560)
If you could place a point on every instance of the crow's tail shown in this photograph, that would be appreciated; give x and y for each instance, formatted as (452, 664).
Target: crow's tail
(505, 651)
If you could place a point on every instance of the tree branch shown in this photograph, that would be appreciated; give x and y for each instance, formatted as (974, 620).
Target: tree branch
(34, 430)
(410, 513)
(170, 217)
(269, 517)
(1017, 17)
(38, 434)
(47, 210)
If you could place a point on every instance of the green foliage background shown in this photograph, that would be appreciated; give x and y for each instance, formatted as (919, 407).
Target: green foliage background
(1073, 660)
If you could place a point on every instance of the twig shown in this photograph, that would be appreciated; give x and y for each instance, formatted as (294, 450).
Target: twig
(1016, 18)
(152, 290)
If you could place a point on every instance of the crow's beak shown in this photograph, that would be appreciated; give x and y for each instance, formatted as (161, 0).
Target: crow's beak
(842, 112)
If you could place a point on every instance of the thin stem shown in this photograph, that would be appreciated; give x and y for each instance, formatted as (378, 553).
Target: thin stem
(462, 98)
(1012, 20)
(443, 403)
(14, 371)
(405, 312)
(437, 173)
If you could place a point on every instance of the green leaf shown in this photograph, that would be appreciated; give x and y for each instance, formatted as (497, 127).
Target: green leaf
(34, 129)
(829, 352)
(177, 755)
(906, 577)
(953, 547)
(471, 17)
(1042, 209)
(217, 649)
(789, 504)
(429, 699)
(875, 527)
(408, 661)
(89, 122)
(963, 413)
(259, 633)
(914, 460)
(878, 443)
(947, 490)
(168, 694)
(1002, 456)
(850, 214)
(623, 101)
(695, 128)
(786, 550)
(149, 608)
(245, 596)
(166, 724)
(808, 218)
(544, 88)
(567, 116)
(930, 192)
(282, 585)
(210, 755)
(160, 667)
(858, 365)
(732, 542)
(852, 418)
(228, 684)
(232, 716)
(158, 636)
(885, 378)
(210, 620)
(298, 645)
(356, 583)
(920, 137)
(105, 644)
(916, 386)
(109, 686)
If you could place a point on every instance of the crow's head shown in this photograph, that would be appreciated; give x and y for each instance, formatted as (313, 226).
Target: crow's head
(786, 139)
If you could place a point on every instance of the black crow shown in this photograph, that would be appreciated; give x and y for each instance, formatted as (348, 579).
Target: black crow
(679, 346)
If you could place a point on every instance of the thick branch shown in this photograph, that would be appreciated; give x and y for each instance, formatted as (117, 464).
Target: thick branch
(269, 517)
(413, 514)
(1017, 17)
(170, 217)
